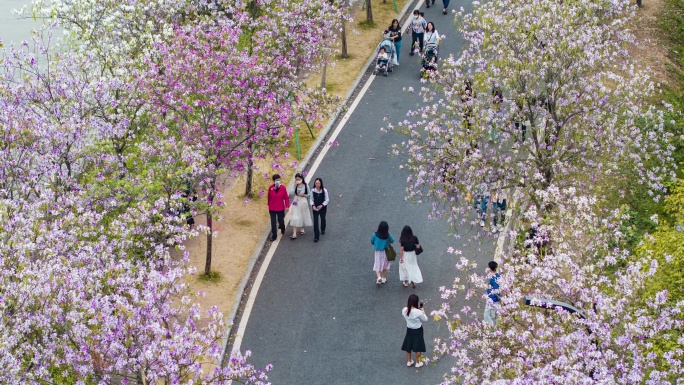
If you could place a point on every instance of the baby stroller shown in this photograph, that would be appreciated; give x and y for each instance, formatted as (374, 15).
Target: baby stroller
(429, 61)
(384, 65)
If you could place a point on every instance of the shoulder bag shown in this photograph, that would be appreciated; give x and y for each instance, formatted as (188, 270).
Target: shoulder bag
(390, 253)
(419, 250)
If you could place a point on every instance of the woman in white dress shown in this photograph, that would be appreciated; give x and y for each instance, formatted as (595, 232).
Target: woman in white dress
(409, 272)
(301, 215)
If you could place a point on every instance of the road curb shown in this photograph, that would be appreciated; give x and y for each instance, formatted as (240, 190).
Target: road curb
(258, 251)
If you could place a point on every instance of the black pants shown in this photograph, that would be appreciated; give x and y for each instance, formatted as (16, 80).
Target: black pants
(316, 214)
(281, 222)
(523, 129)
(419, 38)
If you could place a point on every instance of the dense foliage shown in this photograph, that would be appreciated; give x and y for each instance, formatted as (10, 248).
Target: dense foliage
(106, 134)
(544, 106)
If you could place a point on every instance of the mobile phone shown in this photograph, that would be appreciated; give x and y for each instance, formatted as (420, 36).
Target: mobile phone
(421, 305)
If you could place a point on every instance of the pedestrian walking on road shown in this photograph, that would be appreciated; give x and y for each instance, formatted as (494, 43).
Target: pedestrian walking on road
(319, 204)
(278, 202)
(499, 206)
(493, 296)
(414, 342)
(417, 27)
(380, 240)
(445, 3)
(431, 37)
(301, 215)
(395, 35)
(409, 272)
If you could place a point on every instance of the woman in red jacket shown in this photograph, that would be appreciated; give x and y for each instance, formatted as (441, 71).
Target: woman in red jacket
(278, 203)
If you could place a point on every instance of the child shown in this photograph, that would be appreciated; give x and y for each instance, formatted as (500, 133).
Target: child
(382, 56)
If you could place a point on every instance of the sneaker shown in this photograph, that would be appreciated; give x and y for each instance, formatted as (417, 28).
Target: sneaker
(384, 280)
(481, 223)
(418, 365)
(378, 281)
(409, 363)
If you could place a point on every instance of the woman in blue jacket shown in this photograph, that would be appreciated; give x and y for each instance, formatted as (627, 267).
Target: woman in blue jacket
(380, 240)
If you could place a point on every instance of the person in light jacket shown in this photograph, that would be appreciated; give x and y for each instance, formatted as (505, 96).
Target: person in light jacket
(414, 314)
(301, 215)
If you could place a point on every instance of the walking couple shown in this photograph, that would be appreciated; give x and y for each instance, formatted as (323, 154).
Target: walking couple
(409, 272)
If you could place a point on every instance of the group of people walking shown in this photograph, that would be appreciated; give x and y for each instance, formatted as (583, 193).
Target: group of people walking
(423, 33)
(382, 240)
(309, 207)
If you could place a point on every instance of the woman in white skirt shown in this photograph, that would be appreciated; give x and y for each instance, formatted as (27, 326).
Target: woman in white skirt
(301, 215)
(408, 262)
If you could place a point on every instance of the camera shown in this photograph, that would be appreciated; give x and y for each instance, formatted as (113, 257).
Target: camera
(421, 305)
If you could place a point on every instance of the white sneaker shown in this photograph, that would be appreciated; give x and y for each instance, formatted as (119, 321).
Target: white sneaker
(378, 281)
(418, 365)
(409, 363)
(481, 223)
(384, 280)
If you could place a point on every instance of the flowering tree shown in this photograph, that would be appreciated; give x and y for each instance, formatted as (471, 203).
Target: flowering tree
(609, 341)
(542, 94)
(290, 39)
(229, 88)
(89, 291)
(543, 101)
(78, 305)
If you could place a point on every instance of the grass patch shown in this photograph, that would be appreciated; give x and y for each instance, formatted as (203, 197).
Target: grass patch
(367, 24)
(242, 222)
(330, 87)
(212, 277)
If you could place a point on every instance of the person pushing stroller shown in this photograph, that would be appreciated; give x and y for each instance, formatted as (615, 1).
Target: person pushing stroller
(431, 53)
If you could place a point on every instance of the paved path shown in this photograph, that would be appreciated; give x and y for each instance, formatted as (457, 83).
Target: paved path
(319, 318)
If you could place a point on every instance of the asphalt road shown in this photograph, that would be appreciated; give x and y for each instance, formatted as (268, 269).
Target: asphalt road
(319, 317)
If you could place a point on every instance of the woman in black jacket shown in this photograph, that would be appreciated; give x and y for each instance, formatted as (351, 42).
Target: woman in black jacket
(395, 35)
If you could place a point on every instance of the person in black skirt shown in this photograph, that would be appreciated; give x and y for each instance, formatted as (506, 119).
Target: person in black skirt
(318, 199)
(414, 314)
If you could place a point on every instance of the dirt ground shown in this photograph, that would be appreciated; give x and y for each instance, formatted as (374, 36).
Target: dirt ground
(651, 51)
(242, 224)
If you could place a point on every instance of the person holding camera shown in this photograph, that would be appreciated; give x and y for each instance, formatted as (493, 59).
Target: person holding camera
(414, 314)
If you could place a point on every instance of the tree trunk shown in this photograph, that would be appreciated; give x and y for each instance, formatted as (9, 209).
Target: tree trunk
(207, 264)
(250, 172)
(344, 53)
(369, 11)
(640, 3)
(324, 73)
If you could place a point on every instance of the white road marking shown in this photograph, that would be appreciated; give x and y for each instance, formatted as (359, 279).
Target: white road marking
(267, 260)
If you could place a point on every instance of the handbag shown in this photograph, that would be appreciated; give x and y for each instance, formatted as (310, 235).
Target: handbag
(390, 253)
(419, 250)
